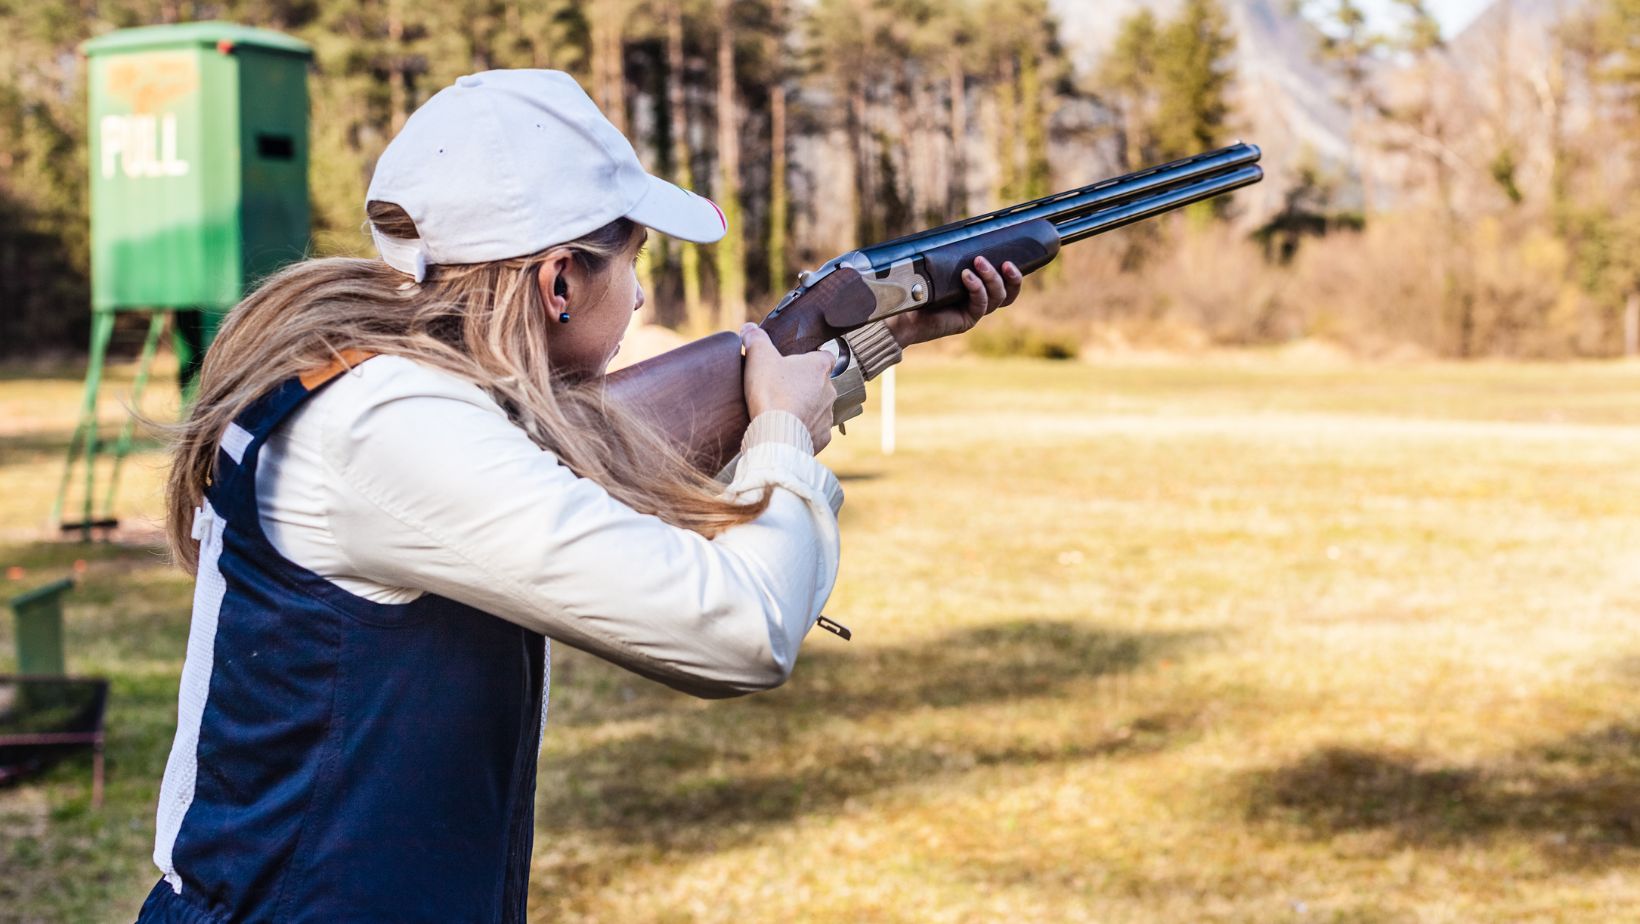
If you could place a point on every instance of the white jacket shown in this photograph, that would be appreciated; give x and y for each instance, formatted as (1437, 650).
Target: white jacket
(398, 480)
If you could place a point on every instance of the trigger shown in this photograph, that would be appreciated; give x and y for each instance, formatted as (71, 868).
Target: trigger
(839, 348)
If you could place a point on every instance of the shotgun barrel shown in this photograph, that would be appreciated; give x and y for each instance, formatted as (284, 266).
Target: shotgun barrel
(1063, 206)
(1028, 234)
(694, 393)
(1078, 227)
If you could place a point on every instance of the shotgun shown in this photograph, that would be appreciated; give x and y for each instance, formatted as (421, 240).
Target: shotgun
(694, 393)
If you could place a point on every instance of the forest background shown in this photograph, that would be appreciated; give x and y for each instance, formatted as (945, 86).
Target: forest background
(1463, 195)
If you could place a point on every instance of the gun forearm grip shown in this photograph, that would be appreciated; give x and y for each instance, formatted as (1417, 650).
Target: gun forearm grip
(1029, 246)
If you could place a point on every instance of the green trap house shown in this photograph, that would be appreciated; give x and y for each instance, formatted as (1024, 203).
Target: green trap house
(199, 162)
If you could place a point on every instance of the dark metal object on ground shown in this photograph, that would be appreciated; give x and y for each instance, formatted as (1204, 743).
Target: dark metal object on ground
(44, 719)
(44, 715)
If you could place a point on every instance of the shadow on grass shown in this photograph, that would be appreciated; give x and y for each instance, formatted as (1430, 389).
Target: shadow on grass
(1012, 660)
(776, 757)
(1577, 800)
(849, 477)
(31, 445)
(661, 788)
(66, 370)
(34, 445)
(49, 558)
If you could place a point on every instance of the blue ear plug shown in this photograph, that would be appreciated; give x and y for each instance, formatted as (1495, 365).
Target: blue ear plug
(561, 289)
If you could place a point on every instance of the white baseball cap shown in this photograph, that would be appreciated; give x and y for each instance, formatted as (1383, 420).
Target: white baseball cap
(510, 162)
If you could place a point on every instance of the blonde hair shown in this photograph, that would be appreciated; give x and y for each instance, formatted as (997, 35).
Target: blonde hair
(485, 323)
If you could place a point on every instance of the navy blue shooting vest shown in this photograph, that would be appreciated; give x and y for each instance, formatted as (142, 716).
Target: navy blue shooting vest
(355, 761)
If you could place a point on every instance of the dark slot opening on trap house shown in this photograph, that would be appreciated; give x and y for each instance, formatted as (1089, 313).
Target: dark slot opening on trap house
(275, 147)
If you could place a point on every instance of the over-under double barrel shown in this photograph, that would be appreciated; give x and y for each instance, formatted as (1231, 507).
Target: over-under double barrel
(694, 392)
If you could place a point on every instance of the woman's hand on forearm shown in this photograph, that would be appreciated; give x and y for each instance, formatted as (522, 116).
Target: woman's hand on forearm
(988, 290)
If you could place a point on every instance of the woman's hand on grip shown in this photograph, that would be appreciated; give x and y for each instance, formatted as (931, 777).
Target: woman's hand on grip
(799, 384)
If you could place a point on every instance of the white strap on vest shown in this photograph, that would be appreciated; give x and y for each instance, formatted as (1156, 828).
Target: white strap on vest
(202, 524)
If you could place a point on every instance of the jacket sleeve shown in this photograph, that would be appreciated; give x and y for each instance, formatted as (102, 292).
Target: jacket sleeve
(434, 489)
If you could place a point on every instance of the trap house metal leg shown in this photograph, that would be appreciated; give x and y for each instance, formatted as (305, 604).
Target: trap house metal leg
(85, 431)
(122, 448)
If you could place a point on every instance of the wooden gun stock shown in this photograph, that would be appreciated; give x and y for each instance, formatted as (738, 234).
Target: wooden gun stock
(693, 394)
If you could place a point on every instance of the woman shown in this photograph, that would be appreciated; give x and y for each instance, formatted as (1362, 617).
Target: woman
(398, 479)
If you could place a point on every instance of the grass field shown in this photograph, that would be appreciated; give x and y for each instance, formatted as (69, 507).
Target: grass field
(1232, 640)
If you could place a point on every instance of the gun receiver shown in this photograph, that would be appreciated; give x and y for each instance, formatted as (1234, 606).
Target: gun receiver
(693, 396)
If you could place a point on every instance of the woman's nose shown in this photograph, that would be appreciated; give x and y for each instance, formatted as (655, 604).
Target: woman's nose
(639, 304)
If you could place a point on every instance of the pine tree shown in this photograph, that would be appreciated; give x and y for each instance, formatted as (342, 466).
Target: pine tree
(731, 250)
(1609, 249)
(682, 154)
(1019, 38)
(839, 53)
(779, 217)
(1034, 130)
(1194, 71)
(44, 240)
(1127, 83)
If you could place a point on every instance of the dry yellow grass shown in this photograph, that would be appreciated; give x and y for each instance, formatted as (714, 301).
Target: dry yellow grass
(1235, 641)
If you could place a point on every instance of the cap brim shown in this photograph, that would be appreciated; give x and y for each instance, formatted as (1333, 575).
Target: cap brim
(677, 212)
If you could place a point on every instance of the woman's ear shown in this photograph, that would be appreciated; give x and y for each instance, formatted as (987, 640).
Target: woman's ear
(553, 280)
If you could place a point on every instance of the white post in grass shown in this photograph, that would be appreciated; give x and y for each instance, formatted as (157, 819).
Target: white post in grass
(1631, 326)
(888, 411)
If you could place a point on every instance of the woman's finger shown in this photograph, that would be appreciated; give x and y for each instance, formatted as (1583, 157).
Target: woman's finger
(754, 339)
(976, 294)
(823, 363)
(993, 284)
(1012, 279)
